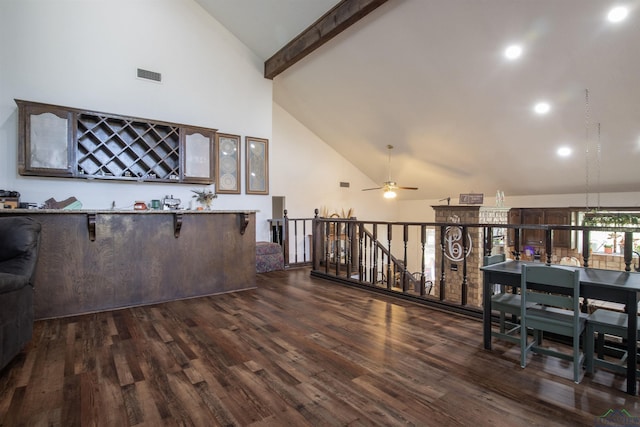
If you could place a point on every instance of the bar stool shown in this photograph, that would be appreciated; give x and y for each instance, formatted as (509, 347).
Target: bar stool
(602, 322)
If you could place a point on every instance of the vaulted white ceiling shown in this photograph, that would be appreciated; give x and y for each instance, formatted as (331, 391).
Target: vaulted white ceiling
(430, 78)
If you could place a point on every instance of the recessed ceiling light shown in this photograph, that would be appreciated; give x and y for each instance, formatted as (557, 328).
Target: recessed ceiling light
(542, 108)
(513, 52)
(564, 151)
(617, 14)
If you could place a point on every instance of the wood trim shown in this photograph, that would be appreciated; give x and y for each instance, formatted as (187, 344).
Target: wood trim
(332, 23)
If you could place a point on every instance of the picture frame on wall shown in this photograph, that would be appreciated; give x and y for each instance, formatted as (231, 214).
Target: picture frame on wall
(228, 163)
(257, 165)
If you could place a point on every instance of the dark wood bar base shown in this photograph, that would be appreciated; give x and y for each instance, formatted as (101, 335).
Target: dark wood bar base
(100, 260)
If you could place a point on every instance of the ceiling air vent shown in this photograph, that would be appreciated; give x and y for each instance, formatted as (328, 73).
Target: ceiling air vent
(149, 75)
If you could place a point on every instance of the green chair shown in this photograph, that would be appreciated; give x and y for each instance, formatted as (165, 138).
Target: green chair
(507, 305)
(599, 323)
(504, 303)
(556, 290)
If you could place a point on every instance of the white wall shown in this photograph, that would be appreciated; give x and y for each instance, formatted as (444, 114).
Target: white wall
(84, 54)
(308, 172)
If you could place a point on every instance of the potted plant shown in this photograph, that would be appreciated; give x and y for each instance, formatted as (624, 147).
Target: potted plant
(608, 248)
(204, 197)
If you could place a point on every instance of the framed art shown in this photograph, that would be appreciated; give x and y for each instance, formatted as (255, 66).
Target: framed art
(257, 168)
(228, 163)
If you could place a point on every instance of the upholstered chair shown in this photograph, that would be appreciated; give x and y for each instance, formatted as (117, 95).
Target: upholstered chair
(19, 241)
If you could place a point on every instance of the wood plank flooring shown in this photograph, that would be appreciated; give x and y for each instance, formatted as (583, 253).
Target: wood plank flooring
(297, 351)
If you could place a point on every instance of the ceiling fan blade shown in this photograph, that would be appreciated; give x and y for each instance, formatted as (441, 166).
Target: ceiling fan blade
(389, 186)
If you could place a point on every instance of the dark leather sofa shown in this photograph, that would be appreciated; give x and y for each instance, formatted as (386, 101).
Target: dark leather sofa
(19, 241)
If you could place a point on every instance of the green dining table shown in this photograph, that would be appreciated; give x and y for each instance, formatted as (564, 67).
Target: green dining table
(605, 285)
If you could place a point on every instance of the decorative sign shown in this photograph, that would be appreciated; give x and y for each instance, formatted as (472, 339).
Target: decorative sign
(471, 199)
(453, 245)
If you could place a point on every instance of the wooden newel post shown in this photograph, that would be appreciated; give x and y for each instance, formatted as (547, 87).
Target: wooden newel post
(353, 243)
(317, 237)
(285, 237)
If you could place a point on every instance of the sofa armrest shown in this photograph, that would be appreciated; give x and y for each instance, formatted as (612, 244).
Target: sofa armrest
(19, 240)
(12, 282)
(18, 235)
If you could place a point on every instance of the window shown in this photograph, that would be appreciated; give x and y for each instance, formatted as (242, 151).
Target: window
(610, 242)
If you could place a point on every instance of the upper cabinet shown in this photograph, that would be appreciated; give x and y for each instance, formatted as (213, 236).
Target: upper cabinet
(68, 142)
(540, 216)
(45, 140)
(561, 238)
(198, 146)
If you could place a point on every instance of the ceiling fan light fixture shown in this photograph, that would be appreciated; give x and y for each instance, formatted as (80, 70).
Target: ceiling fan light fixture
(390, 194)
(389, 186)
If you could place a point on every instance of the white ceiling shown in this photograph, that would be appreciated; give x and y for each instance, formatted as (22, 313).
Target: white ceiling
(428, 77)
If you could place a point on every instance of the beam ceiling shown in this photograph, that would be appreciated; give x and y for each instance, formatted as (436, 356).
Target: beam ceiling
(332, 23)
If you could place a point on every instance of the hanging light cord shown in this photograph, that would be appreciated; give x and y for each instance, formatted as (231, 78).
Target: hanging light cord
(586, 136)
(598, 159)
(390, 147)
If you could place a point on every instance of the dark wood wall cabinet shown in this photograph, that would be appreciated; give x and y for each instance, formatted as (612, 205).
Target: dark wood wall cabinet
(539, 216)
(69, 142)
(102, 260)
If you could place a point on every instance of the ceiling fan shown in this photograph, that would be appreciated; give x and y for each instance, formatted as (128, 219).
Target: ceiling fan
(390, 186)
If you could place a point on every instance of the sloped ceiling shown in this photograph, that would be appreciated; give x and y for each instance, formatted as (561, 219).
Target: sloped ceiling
(430, 78)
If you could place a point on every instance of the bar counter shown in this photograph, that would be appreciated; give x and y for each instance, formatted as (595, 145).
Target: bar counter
(95, 260)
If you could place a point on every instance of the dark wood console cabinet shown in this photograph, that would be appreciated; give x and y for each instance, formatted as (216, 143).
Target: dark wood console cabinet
(539, 216)
(101, 260)
(68, 142)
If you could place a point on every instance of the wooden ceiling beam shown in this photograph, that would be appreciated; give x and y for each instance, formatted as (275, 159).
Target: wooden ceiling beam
(332, 23)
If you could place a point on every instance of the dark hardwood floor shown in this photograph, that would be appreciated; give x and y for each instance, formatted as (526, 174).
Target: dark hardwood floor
(296, 351)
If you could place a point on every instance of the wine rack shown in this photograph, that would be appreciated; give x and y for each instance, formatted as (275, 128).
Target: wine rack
(110, 146)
